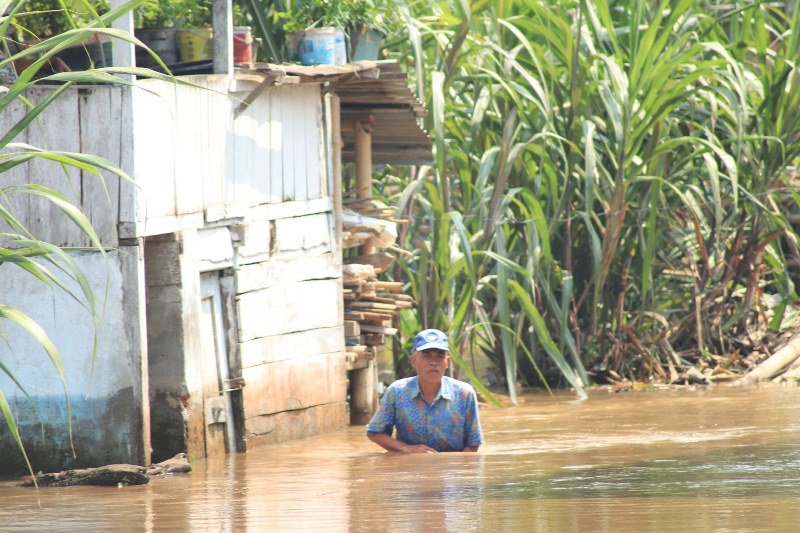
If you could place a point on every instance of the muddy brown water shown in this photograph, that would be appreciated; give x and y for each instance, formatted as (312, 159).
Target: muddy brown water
(719, 460)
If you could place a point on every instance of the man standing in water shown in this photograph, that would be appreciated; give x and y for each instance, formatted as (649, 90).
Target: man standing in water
(431, 412)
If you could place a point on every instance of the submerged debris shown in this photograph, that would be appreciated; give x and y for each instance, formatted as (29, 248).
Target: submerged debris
(119, 475)
(107, 476)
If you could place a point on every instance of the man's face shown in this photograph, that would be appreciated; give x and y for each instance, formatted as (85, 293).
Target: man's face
(430, 364)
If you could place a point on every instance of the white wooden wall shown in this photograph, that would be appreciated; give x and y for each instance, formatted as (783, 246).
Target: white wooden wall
(182, 145)
(192, 155)
(87, 120)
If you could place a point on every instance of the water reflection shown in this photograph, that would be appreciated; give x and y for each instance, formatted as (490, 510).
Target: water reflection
(419, 492)
(720, 460)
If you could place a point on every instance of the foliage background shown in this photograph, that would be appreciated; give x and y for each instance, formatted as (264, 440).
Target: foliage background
(613, 184)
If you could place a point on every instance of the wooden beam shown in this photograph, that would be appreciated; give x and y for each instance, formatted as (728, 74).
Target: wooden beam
(380, 261)
(378, 329)
(268, 80)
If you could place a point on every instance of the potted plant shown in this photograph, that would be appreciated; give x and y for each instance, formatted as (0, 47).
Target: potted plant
(366, 29)
(314, 31)
(40, 19)
(176, 30)
(357, 22)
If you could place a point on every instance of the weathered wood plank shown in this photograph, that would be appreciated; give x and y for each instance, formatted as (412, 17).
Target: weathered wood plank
(259, 240)
(251, 153)
(302, 234)
(289, 307)
(215, 249)
(101, 134)
(291, 346)
(288, 209)
(284, 385)
(299, 107)
(17, 175)
(315, 169)
(57, 129)
(154, 138)
(293, 147)
(276, 145)
(381, 261)
(190, 141)
(216, 146)
(291, 425)
(280, 271)
(352, 328)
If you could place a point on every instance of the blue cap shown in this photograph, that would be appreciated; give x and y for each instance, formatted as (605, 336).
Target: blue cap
(431, 338)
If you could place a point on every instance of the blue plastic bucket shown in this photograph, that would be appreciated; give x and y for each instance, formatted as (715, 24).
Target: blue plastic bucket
(318, 46)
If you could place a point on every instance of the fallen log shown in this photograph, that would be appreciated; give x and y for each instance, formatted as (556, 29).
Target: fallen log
(773, 366)
(111, 475)
(107, 476)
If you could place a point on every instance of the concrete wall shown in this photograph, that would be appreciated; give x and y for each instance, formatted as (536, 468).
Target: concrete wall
(104, 386)
(165, 335)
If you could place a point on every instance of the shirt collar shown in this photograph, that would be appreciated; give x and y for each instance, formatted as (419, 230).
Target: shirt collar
(445, 390)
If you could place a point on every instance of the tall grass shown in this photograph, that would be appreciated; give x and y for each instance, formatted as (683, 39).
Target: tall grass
(612, 180)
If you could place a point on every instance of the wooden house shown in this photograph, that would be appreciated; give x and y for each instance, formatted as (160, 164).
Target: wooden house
(219, 319)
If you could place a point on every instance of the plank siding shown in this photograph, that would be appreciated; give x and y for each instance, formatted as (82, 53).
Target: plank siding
(294, 154)
(279, 271)
(181, 145)
(292, 345)
(101, 133)
(190, 167)
(251, 157)
(17, 175)
(288, 308)
(302, 235)
(155, 148)
(289, 425)
(276, 127)
(284, 385)
(45, 220)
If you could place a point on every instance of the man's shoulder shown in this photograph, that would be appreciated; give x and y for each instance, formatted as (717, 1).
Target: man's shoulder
(404, 384)
(458, 386)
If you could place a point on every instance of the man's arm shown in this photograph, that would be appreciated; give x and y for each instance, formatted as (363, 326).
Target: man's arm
(390, 444)
(473, 431)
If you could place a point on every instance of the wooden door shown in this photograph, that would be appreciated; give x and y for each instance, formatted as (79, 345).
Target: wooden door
(217, 406)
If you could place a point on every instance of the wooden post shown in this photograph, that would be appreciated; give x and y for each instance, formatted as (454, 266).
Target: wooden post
(336, 129)
(363, 395)
(364, 167)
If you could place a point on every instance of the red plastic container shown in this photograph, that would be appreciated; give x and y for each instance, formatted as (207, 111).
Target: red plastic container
(242, 45)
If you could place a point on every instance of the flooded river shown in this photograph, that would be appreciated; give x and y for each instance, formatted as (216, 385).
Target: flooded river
(720, 460)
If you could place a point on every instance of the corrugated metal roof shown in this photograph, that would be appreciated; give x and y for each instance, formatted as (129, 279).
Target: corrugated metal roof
(376, 90)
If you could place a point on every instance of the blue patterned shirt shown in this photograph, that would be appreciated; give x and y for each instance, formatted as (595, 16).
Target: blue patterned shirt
(448, 424)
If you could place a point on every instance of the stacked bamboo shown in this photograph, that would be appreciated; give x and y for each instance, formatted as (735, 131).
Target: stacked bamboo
(370, 306)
